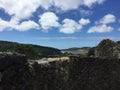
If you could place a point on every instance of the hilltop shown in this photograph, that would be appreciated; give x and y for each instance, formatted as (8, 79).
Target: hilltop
(30, 50)
(106, 49)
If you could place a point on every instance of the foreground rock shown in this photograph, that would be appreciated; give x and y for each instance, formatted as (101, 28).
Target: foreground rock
(17, 73)
(108, 49)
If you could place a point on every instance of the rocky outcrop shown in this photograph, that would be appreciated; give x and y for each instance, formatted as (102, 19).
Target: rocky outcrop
(107, 49)
(73, 73)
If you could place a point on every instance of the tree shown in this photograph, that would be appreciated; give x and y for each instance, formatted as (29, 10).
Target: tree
(28, 50)
(91, 52)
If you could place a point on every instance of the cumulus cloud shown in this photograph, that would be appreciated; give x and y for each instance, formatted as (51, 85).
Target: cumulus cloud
(100, 29)
(24, 26)
(74, 4)
(70, 26)
(27, 8)
(102, 26)
(48, 20)
(22, 8)
(27, 25)
(109, 18)
(67, 4)
(89, 3)
(83, 21)
(3, 24)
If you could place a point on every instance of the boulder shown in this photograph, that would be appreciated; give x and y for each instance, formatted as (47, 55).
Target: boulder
(108, 49)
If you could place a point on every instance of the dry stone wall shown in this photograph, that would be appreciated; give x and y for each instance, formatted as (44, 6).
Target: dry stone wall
(17, 73)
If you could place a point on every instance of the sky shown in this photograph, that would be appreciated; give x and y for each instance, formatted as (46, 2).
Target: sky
(60, 23)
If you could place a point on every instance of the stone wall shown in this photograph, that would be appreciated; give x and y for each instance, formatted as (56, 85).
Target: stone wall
(52, 76)
(16, 73)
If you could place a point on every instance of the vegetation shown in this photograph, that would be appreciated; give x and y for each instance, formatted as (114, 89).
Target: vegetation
(37, 52)
(91, 52)
(31, 51)
(118, 42)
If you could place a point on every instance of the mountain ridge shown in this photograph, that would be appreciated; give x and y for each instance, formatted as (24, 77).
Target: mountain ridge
(30, 49)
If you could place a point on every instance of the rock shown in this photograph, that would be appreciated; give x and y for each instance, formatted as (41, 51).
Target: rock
(15, 73)
(107, 49)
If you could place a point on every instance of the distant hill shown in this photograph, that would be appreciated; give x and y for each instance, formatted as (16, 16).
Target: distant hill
(31, 51)
(75, 50)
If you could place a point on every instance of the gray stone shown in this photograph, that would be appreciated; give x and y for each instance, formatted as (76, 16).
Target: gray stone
(107, 49)
(15, 73)
(73, 74)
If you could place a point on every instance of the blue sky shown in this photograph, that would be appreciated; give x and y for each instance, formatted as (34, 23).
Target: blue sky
(59, 23)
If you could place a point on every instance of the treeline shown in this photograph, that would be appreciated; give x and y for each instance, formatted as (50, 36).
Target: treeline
(31, 51)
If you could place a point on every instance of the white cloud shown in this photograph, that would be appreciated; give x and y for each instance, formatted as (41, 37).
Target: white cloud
(74, 4)
(101, 26)
(83, 21)
(27, 25)
(67, 4)
(48, 20)
(89, 3)
(100, 29)
(3, 24)
(24, 26)
(109, 18)
(70, 26)
(22, 8)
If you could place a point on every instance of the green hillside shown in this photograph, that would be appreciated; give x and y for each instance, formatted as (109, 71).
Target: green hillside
(31, 51)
